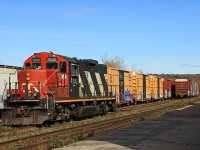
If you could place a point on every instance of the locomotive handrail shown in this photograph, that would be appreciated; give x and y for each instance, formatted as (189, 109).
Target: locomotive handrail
(8, 83)
(50, 77)
(4, 91)
(47, 90)
(44, 84)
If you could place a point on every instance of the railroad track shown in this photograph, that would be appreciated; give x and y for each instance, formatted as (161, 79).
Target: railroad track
(65, 136)
(143, 105)
(9, 132)
(152, 104)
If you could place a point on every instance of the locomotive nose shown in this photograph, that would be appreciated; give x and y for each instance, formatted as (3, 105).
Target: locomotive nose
(36, 83)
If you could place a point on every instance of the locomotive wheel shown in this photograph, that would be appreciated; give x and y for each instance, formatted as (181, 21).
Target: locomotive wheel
(46, 123)
(66, 113)
(104, 109)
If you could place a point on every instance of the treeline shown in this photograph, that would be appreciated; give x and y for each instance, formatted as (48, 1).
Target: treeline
(195, 77)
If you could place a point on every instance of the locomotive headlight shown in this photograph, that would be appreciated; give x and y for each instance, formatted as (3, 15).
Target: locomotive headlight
(35, 94)
(27, 78)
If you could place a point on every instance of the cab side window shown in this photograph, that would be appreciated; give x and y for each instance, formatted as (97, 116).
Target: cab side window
(63, 67)
(74, 70)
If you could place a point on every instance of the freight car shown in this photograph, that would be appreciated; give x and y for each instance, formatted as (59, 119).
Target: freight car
(183, 88)
(167, 88)
(7, 73)
(122, 81)
(194, 88)
(141, 87)
(160, 88)
(56, 87)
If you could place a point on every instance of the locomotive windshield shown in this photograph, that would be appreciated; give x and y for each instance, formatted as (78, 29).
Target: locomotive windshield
(36, 66)
(33, 66)
(52, 65)
(36, 63)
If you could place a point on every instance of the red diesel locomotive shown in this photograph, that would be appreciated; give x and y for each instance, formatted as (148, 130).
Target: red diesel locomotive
(56, 87)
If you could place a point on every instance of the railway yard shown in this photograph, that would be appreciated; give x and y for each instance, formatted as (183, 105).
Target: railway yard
(58, 135)
(100, 75)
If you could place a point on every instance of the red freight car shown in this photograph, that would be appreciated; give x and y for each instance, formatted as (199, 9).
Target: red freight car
(167, 88)
(197, 88)
(182, 88)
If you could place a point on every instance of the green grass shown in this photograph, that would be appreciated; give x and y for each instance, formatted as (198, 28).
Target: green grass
(2, 128)
(142, 118)
(56, 142)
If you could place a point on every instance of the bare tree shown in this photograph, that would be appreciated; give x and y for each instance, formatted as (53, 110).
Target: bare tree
(140, 71)
(116, 62)
(119, 62)
(133, 68)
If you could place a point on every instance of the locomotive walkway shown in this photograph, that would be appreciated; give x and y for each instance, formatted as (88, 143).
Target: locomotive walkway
(175, 130)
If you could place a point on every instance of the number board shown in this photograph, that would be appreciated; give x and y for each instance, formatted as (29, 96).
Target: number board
(36, 59)
(52, 59)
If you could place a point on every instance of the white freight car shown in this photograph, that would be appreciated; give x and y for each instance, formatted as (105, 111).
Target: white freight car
(5, 73)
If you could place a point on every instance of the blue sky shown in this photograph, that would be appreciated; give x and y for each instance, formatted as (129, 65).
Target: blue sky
(156, 36)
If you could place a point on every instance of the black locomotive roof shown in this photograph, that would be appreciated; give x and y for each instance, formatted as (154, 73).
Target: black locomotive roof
(71, 60)
(89, 62)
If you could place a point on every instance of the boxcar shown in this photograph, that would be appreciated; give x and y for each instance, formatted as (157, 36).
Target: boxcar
(182, 88)
(160, 88)
(167, 88)
(141, 87)
(121, 80)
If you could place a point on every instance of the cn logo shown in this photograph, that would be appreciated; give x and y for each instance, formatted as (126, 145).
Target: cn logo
(30, 85)
(64, 76)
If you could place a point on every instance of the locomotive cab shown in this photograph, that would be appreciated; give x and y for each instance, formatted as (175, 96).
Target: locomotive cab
(46, 76)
